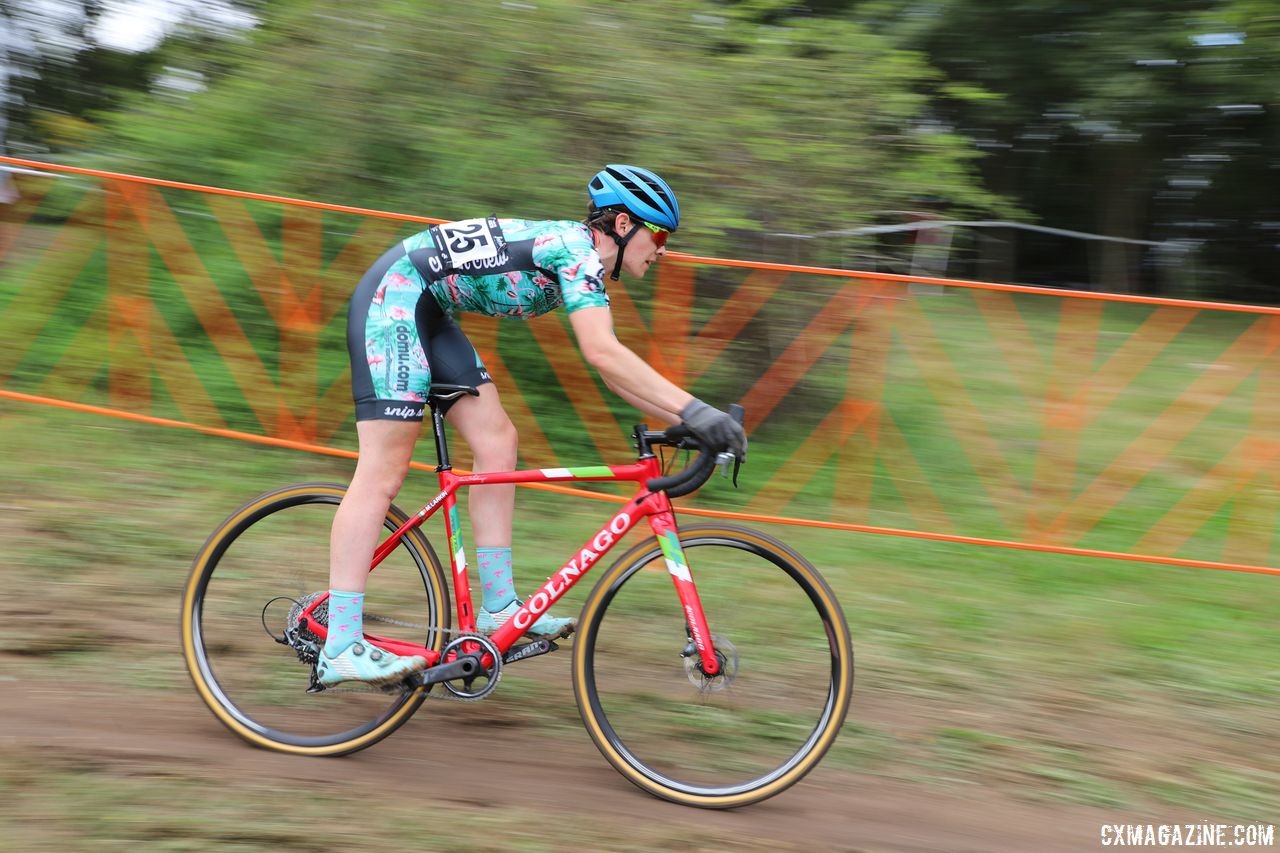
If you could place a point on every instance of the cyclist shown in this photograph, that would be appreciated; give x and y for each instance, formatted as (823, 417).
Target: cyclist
(401, 335)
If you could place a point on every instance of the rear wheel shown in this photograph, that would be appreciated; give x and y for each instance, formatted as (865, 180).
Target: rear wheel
(736, 738)
(268, 557)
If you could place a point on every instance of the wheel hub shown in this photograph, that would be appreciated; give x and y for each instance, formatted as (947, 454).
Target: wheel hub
(726, 656)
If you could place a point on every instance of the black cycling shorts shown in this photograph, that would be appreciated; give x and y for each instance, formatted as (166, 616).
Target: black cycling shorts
(399, 339)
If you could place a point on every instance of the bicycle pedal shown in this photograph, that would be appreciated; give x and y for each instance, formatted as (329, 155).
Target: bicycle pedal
(528, 650)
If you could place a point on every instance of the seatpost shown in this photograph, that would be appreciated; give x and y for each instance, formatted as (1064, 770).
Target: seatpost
(442, 446)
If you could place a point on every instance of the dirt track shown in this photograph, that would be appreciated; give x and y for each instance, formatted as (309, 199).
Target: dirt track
(63, 613)
(141, 733)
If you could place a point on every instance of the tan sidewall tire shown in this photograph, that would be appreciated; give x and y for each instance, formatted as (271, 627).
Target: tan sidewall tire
(196, 581)
(842, 688)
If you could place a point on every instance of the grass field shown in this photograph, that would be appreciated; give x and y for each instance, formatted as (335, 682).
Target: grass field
(1056, 679)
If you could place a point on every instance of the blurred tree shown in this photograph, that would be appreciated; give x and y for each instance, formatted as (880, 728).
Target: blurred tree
(762, 116)
(1151, 120)
(1148, 120)
(56, 77)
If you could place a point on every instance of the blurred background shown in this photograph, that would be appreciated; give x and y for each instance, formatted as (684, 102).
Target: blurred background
(1121, 147)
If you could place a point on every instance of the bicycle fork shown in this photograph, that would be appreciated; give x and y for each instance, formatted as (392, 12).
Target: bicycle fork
(664, 528)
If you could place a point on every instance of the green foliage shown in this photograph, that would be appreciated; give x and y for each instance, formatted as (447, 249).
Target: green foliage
(760, 119)
(55, 80)
(1149, 120)
(1140, 120)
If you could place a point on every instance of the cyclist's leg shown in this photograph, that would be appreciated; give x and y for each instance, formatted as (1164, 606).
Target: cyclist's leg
(481, 421)
(487, 429)
(390, 376)
(485, 426)
(385, 450)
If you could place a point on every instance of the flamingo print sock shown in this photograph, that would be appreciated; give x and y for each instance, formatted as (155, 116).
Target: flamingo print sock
(346, 621)
(495, 577)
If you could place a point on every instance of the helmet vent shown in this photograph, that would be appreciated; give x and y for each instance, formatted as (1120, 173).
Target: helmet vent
(638, 191)
(646, 189)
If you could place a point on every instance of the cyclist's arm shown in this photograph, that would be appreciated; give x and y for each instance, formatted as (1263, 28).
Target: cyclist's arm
(627, 374)
(653, 411)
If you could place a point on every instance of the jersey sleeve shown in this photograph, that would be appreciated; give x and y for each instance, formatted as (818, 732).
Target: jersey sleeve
(570, 255)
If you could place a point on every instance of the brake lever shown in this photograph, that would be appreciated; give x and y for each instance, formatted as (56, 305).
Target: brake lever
(722, 461)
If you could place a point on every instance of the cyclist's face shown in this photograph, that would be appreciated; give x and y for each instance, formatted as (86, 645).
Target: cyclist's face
(642, 249)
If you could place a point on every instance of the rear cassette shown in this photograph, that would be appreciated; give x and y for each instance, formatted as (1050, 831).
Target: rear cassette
(297, 635)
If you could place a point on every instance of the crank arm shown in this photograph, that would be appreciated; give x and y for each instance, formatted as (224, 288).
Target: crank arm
(529, 650)
(464, 667)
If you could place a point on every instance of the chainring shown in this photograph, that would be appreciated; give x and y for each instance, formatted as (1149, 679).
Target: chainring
(492, 675)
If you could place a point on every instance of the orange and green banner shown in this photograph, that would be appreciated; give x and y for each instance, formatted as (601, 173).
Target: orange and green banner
(967, 411)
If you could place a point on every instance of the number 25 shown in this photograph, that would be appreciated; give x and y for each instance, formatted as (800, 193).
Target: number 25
(466, 238)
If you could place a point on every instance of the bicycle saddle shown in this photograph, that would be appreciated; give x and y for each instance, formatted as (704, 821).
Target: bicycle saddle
(442, 392)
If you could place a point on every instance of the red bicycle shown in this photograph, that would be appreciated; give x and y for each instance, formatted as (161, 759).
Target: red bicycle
(721, 697)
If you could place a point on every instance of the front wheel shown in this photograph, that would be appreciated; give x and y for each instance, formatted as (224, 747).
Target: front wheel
(268, 557)
(737, 738)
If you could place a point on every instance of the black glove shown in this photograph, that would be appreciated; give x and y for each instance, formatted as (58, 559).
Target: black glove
(715, 429)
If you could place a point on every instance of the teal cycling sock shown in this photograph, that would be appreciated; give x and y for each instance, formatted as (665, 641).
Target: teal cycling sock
(495, 577)
(346, 620)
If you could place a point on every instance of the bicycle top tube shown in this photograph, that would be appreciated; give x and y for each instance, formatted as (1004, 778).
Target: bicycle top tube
(683, 482)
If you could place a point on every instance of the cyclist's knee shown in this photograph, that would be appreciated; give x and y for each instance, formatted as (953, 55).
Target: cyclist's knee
(383, 480)
(496, 446)
(383, 463)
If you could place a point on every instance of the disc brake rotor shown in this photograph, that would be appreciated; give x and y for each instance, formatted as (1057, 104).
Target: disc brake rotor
(726, 654)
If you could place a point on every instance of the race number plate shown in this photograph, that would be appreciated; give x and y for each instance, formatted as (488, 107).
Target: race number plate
(469, 241)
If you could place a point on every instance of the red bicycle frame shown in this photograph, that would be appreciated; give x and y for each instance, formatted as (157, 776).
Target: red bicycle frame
(655, 506)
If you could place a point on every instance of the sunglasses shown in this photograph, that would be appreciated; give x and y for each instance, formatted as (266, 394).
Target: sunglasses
(660, 234)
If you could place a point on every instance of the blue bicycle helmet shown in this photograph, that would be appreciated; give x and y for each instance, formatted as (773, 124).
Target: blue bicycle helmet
(639, 191)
